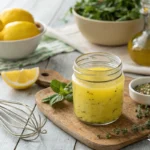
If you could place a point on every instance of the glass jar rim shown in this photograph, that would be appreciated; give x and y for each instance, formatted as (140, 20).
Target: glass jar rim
(113, 65)
(103, 53)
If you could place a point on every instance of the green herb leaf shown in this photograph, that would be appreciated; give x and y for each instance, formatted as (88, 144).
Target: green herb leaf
(57, 98)
(63, 92)
(57, 86)
(48, 98)
(69, 97)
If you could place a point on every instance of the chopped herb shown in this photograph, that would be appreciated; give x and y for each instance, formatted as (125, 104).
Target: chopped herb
(143, 88)
(117, 131)
(124, 131)
(142, 128)
(135, 128)
(142, 111)
(108, 135)
(147, 124)
(99, 136)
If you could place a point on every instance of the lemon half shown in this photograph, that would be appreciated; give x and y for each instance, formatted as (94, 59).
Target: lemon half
(21, 79)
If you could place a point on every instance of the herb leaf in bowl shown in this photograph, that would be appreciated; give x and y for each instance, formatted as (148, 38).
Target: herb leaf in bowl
(109, 10)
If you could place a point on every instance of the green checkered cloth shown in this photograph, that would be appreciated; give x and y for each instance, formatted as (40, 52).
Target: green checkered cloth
(47, 47)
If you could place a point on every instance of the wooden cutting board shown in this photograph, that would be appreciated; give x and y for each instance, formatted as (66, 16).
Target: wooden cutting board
(62, 115)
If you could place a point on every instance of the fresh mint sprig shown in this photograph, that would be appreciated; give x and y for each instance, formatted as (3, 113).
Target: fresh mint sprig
(62, 91)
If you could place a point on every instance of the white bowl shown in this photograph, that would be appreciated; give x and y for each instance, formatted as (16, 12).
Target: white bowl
(138, 97)
(110, 33)
(18, 49)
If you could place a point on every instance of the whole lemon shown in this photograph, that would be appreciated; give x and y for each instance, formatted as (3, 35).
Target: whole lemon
(1, 25)
(19, 30)
(15, 14)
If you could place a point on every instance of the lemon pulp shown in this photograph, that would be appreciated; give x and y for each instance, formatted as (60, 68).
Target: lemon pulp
(21, 79)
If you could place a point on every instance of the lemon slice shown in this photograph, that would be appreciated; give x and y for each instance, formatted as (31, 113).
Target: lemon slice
(21, 79)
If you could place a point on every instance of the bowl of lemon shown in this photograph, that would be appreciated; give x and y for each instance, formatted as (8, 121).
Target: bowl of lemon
(20, 34)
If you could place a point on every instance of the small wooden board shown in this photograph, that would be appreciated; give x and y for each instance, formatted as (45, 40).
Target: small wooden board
(63, 116)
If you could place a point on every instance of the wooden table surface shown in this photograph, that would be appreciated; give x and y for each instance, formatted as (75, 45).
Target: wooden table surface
(51, 13)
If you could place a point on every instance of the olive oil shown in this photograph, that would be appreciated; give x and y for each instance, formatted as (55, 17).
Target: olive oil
(139, 49)
(139, 45)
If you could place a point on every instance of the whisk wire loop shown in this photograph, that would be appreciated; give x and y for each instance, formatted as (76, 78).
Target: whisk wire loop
(19, 120)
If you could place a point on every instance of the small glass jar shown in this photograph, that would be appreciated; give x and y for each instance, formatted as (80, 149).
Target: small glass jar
(139, 45)
(98, 84)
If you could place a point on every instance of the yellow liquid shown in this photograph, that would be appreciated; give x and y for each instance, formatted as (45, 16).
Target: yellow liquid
(140, 56)
(98, 103)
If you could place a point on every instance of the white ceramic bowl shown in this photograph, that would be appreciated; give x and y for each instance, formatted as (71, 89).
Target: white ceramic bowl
(137, 97)
(18, 49)
(109, 33)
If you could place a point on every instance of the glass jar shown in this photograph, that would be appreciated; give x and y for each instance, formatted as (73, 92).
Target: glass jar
(139, 45)
(98, 84)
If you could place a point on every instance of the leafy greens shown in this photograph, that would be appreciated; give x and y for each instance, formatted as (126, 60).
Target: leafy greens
(108, 10)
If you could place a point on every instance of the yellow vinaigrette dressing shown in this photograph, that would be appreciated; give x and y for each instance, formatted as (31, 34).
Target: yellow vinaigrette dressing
(98, 89)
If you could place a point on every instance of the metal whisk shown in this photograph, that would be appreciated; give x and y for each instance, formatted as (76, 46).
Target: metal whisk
(19, 120)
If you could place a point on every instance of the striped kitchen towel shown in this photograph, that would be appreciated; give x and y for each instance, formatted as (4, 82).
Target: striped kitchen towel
(48, 46)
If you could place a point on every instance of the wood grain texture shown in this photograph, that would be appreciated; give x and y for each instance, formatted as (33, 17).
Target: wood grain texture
(142, 145)
(55, 139)
(63, 63)
(48, 75)
(8, 142)
(63, 16)
(46, 11)
(27, 97)
(63, 116)
(81, 146)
